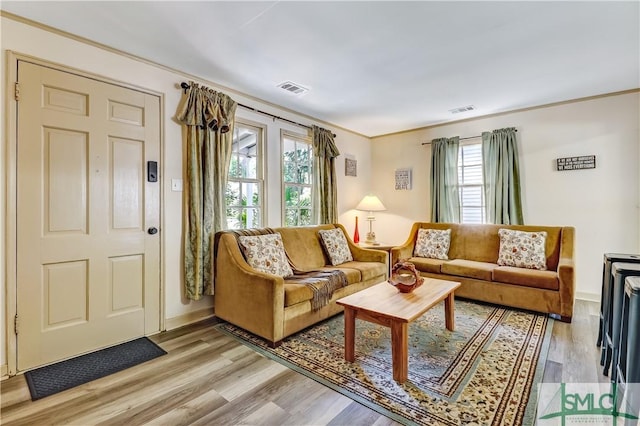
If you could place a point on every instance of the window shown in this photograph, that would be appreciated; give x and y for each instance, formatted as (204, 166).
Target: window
(470, 183)
(297, 177)
(245, 186)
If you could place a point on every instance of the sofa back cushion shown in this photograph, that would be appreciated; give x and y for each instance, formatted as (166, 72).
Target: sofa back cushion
(302, 244)
(481, 243)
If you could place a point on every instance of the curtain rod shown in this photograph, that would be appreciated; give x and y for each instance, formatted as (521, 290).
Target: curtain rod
(185, 86)
(462, 139)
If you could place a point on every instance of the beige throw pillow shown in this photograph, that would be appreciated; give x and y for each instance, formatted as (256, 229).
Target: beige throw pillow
(336, 246)
(433, 243)
(265, 253)
(522, 249)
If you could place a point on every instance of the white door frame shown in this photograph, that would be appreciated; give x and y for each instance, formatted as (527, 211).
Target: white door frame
(11, 192)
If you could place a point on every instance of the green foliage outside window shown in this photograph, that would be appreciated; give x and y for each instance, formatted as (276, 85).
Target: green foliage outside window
(243, 194)
(297, 177)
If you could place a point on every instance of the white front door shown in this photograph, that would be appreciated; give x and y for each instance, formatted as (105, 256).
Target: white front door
(88, 270)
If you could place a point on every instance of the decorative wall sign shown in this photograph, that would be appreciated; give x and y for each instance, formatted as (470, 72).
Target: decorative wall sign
(350, 167)
(576, 163)
(403, 179)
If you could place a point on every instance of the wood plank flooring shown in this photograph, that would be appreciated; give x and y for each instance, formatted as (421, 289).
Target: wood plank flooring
(208, 378)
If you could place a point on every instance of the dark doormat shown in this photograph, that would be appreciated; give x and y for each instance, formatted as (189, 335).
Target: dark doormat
(54, 378)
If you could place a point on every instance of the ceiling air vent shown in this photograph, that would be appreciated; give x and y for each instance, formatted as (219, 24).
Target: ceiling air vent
(462, 109)
(292, 87)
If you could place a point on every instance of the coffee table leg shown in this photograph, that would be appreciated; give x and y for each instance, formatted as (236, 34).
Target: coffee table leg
(349, 334)
(449, 317)
(399, 351)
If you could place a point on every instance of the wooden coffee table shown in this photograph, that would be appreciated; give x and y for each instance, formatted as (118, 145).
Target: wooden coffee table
(383, 304)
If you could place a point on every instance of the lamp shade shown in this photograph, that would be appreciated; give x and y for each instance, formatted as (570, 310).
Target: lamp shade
(371, 203)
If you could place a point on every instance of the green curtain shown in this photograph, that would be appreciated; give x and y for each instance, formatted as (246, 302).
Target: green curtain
(208, 119)
(501, 177)
(445, 200)
(325, 183)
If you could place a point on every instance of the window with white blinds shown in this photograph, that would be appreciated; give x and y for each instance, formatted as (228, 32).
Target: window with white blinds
(470, 183)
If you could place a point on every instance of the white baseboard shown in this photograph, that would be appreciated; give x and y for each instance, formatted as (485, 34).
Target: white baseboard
(4, 372)
(591, 297)
(188, 318)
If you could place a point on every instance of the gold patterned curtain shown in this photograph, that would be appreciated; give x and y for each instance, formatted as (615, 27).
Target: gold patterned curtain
(325, 182)
(208, 118)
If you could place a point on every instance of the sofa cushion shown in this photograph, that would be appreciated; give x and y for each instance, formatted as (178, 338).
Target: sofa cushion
(522, 249)
(433, 243)
(469, 268)
(295, 292)
(303, 246)
(527, 277)
(336, 246)
(265, 253)
(425, 264)
(368, 270)
(353, 275)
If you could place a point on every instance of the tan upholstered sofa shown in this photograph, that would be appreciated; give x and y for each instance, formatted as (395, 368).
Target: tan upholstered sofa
(273, 307)
(472, 261)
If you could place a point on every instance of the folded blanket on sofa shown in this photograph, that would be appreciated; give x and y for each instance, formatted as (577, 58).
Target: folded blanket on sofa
(321, 283)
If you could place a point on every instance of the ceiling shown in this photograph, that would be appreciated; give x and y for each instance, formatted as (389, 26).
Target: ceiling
(375, 67)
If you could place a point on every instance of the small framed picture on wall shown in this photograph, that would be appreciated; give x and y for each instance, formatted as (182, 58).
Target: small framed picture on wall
(350, 167)
(403, 179)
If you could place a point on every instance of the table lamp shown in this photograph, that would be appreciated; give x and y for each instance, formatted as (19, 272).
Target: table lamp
(371, 203)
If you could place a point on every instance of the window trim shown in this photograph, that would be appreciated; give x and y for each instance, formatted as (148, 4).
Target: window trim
(304, 139)
(261, 179)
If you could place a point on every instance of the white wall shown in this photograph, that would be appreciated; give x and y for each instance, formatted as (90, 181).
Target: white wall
(29, 40)
(603, 204)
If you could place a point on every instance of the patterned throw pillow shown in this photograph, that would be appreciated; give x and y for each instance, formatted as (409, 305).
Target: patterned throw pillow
(336, 246)
(433, 243)
(266, 254)
(522, 249)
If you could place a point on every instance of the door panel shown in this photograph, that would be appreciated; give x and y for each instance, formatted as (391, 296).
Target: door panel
(87, 271)
(127, 184)
(65, 181)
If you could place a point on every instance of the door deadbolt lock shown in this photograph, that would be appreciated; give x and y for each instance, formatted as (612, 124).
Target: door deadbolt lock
(153, 230)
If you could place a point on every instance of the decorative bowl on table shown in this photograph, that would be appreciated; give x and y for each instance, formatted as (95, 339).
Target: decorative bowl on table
(405, 277)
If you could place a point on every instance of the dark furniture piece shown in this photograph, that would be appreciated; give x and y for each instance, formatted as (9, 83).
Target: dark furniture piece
(611, 341)
(607, 288)
(628, 365)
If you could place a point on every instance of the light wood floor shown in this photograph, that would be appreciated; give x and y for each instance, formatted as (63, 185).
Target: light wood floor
(208, 378)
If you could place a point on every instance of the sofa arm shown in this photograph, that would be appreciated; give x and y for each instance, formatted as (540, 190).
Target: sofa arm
(405, 251)
(361, 254)
(368, 255)
(260, 295)
(566, 273)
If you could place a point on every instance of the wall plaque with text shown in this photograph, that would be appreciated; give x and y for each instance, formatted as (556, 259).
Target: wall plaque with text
(576, 163)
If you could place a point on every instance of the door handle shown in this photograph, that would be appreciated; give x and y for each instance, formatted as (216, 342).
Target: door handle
(153, 230)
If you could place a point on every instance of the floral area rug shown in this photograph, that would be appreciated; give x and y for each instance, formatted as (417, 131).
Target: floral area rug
(483, 373)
